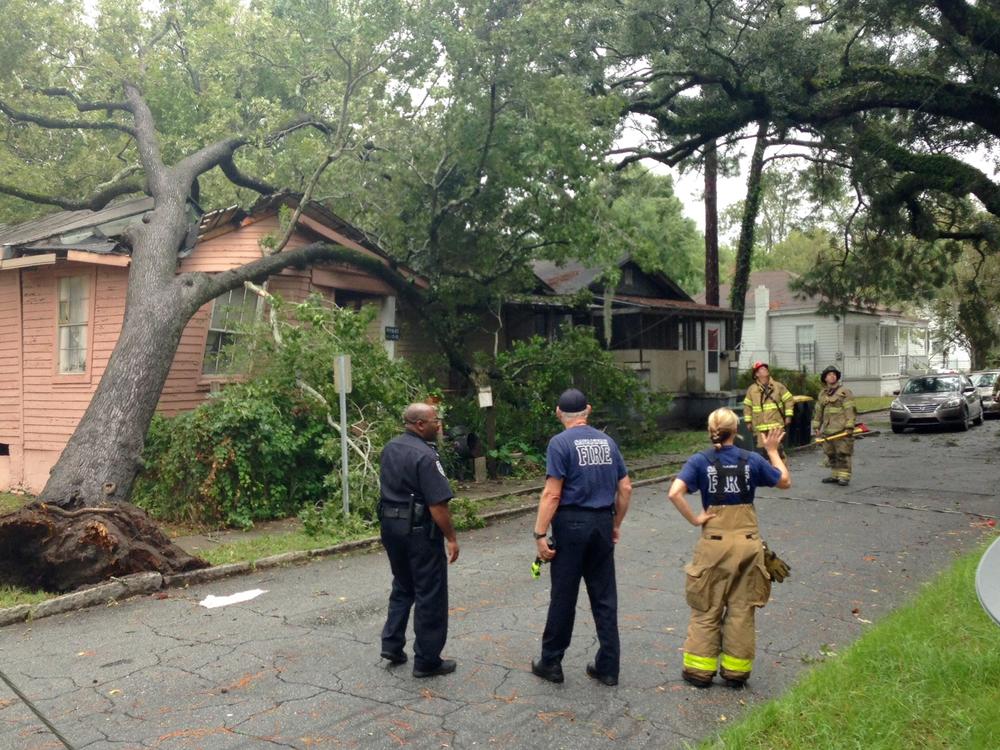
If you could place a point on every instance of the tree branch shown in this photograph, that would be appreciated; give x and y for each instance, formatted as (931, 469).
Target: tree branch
(95, 202)
(57, 123)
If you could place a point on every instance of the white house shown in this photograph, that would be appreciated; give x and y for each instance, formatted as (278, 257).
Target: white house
(873, 349)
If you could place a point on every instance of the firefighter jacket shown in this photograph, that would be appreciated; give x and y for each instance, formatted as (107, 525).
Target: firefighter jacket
(767, 407)
(834, 411)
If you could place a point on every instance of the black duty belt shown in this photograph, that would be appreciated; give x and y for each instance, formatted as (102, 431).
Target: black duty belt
(395, 511)
(718, 537)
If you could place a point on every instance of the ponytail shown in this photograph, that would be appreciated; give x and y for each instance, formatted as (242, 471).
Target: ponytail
(722, 425)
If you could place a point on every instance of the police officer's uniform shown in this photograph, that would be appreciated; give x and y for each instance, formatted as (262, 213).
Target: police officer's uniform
(411, 478)
(727, 579)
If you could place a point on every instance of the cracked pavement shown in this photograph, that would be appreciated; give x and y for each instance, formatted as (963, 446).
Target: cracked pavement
(299, 666)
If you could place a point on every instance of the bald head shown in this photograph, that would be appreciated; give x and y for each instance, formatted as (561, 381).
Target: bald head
(422, 420)
(418, 411)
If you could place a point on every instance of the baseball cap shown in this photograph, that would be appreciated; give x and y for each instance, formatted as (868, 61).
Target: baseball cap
(572, 401)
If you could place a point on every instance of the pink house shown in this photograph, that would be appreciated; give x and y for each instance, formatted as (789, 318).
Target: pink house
(62, 300)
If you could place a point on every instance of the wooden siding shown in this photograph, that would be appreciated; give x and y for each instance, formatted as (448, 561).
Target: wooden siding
(52, 404)
(10, 357)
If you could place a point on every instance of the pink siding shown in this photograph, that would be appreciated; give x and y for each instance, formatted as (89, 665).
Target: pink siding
(40, 409)
(10, 357)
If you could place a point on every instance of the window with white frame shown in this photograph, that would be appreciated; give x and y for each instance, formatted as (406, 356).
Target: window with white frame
(74, 310)
(232, 315)
(890, 340)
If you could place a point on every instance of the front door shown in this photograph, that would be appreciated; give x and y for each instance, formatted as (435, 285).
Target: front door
(713, 344)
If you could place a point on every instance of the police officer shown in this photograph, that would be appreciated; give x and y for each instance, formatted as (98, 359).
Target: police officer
(585, 498)
(727, 579)
(835, 415)
(414, 515)
(767, 405)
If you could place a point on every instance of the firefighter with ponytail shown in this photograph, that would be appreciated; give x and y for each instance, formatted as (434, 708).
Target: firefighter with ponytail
(731, 572)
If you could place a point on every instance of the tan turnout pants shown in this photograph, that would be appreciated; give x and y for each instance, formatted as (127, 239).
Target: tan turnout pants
(726, 582)
(839, 453)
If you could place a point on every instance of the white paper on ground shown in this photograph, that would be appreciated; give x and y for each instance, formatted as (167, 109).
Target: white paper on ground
(212, 601)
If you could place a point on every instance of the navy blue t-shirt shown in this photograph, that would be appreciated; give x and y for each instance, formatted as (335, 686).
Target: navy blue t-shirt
(590, 465)
(698, 473)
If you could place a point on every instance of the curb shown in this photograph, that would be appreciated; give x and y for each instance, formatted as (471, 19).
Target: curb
(126, 587)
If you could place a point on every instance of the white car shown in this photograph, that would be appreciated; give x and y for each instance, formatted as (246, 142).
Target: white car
(984, 382)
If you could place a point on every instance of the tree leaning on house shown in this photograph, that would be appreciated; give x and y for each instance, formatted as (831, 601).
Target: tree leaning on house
(82, 528)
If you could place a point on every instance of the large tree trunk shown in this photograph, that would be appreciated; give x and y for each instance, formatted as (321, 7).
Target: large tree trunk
(711, 225)
(744, 248)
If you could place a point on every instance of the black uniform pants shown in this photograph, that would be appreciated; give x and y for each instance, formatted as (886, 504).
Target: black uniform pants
(419, 580)
(584, 550)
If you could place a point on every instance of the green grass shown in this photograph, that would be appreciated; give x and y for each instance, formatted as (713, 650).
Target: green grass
(926, 676)
(672, 441)
(872, 403)
(10, 502)
(254, 548)
(11, 596)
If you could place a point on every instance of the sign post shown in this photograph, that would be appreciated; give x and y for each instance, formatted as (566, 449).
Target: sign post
(342, 382)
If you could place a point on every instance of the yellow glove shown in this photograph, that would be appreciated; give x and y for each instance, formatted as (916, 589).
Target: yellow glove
(776, 567)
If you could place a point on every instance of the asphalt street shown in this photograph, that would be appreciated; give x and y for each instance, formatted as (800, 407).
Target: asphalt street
(299, 667)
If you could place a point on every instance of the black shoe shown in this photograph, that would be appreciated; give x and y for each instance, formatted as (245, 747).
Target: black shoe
(829, 480)
(698, 682)
(552, 673)
(394, 658)
(604, 679)
(735, 684)
(843, 482)
(447, 666)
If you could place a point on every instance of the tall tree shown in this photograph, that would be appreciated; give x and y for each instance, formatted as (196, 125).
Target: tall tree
(711, 225)
(174, 95)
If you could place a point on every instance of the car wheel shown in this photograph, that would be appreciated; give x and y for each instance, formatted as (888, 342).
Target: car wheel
(897, 428)
(964, 424)
(980, 419)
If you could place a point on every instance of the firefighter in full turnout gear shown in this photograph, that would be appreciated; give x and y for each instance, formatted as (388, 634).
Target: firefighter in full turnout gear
(730, 575)
(767, 405)
(835, 414)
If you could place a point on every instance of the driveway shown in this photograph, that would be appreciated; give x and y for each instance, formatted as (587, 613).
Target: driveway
(298, 666)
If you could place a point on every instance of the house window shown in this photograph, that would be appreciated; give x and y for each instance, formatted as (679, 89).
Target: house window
(857, 341)
(74, 306)
(805, 348)
(232, 315)
(890, 340)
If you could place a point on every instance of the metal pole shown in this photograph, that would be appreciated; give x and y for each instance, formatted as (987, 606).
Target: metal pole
(342, 365)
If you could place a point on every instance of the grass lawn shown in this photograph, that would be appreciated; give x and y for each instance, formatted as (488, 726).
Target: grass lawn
(684, 442)
(273, 544)
(924, 677)
(872, 403)
(10, 502)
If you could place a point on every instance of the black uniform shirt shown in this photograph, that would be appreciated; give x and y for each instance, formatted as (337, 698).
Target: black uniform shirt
(409, 466)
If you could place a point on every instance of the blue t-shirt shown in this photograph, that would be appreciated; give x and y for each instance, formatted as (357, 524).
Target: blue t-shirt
(699, 472)
(590, 465)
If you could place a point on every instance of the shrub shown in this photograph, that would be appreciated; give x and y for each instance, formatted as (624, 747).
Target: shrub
(269, 447)
(799, 383)
(533, 373)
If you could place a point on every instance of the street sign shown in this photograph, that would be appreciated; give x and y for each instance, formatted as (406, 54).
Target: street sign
(342, 382)
(988, 581)
(392, 333)
(342, 373)
(485, 397)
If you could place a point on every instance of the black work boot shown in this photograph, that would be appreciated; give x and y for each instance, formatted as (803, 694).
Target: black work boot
(829, 480)
(550, 672)
(697, 681)
(447, 666)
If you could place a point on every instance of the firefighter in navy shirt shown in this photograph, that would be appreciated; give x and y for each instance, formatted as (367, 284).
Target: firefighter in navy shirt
(586, 497)
(416, 523)
(727, 579)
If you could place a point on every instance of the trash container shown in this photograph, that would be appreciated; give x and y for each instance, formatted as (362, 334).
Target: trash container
(744, 436)
(800, 430)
